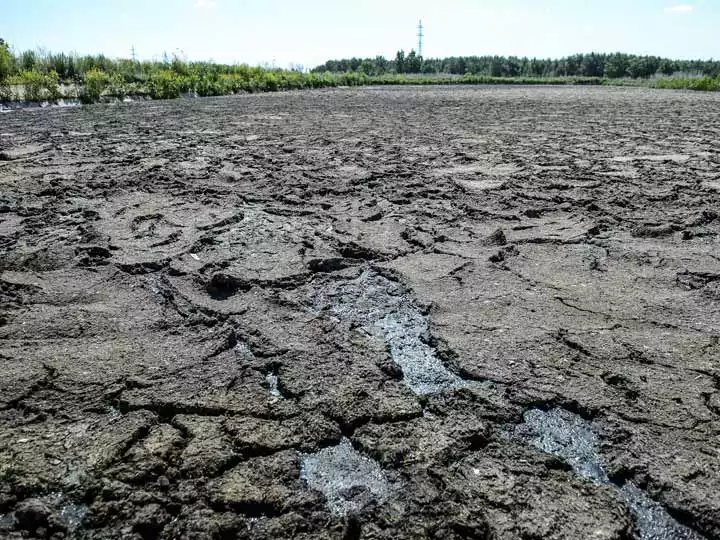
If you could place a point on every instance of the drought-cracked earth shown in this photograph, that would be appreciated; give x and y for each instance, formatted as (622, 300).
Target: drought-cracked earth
(363, 313)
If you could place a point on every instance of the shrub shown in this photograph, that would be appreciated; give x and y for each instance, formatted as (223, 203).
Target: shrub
(51, 84)
(6, 93)
(95, 83)
(165, 84)
(32, 82)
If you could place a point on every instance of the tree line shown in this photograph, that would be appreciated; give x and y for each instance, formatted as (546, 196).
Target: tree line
(613, 65)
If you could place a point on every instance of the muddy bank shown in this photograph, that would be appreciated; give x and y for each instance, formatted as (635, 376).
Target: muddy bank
(377, 312)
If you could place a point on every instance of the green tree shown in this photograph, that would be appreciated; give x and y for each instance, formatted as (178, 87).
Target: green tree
(28, 59)
(400, 62)
(367, 67)
(413, 63)
(616, 66)
(6, 60)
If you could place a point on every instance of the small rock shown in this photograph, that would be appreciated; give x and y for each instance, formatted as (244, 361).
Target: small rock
(377, 216)
(332, 264)
(163, 482)
(497, 257)
(511, 250)
(497, 238)
(651, 231)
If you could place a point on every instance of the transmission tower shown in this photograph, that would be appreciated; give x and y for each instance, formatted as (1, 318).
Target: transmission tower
(420, 37)
(132, 50)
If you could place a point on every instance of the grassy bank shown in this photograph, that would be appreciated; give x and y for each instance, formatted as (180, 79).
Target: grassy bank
(97, 85)
(49, 77)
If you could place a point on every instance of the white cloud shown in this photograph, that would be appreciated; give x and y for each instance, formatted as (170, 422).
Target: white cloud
(205, 4)
(680, 8)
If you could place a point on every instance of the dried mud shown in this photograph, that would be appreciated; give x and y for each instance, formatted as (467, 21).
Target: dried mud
(377, 313)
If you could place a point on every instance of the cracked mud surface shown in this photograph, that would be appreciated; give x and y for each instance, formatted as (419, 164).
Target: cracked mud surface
(378, 313)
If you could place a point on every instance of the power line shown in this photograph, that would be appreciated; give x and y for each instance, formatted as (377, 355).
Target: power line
(420, 37)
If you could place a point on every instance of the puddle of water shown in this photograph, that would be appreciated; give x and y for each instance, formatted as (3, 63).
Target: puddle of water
(272, 380)
(74, 515)
(423, 371)
(568, 436)
(113, 412)
(565, 434)
(348, 479)
(386, 311)
(651, 519)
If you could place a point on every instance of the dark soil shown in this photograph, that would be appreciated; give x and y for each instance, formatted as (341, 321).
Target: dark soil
(377, 313)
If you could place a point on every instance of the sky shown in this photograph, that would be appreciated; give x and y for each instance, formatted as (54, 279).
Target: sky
(309, 32)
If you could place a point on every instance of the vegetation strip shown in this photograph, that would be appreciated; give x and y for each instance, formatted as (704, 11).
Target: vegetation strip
(34, 77)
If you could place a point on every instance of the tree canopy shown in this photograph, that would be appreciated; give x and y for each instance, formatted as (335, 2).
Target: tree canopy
(613, 65)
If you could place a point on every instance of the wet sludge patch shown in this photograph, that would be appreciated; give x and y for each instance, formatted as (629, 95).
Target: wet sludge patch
(386, 311)
(567, 435)
(348, 479)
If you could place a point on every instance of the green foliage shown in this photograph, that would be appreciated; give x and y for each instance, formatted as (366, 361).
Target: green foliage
(6, 60)
(95, 83)
(38, 86)
(51, 85)
(705, 84)
(614, 65)
(6, 92)
(33, 84)
(166, 84)
(27, 60)
(98, 77)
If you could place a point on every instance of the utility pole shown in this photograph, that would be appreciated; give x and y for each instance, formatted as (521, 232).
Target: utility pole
(420, 37)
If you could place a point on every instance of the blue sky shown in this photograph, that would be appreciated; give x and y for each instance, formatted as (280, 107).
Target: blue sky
(312, 31)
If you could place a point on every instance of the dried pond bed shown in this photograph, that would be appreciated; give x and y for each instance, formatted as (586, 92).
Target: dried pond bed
(368, 312)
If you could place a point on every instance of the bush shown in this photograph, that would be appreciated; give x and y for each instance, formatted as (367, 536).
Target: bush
(32, 82)
(6, 93)
(36, 86)
(94, 84)
(165, 84)
(51, 85)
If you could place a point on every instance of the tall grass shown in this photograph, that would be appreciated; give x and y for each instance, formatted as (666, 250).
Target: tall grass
(705, 84)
